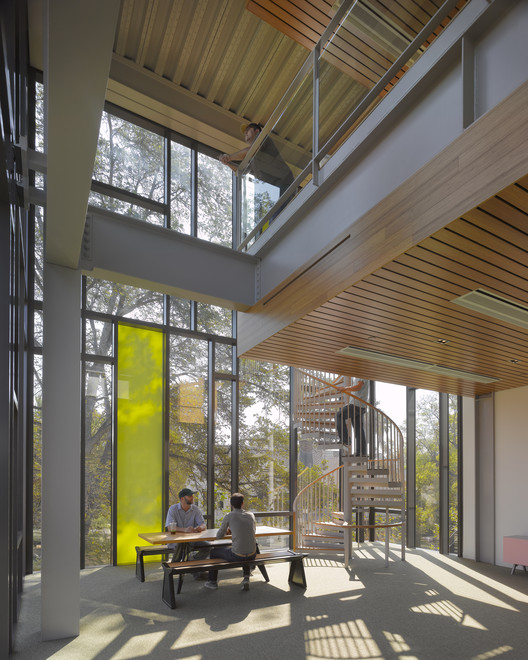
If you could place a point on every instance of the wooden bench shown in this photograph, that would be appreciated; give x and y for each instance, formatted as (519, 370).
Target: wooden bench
(147, 550)
(296, 575)
(163, 550)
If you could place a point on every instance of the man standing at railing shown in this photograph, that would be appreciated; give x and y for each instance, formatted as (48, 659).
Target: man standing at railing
(267, 164)
(354, 411)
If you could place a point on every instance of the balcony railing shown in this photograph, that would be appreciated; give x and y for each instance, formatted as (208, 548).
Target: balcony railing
(338, 86)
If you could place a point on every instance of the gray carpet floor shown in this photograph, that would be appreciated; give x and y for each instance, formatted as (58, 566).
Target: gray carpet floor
(427, 608)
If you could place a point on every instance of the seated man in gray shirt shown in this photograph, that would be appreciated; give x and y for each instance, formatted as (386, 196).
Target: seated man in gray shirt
(188, 518)
(241, 524)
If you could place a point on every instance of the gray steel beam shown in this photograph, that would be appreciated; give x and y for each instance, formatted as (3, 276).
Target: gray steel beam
(78, 43)
(133, 252)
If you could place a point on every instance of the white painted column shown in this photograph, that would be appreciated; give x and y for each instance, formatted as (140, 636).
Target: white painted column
(485, 478)
(61, 453)
(469, 478)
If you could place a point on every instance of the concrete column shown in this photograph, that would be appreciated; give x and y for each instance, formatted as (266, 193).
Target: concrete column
(61, 453)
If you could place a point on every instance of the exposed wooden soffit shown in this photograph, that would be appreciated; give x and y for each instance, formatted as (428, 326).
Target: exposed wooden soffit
(376, 32)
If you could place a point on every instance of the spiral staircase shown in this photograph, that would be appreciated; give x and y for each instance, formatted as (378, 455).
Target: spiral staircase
(363, 498)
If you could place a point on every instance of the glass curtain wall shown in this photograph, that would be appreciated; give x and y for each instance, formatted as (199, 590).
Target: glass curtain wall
(431, 499)
(264, 421)
(454, 453)
(427, 470)
(147, 172)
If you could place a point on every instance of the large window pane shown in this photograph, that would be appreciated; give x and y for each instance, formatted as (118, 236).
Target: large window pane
(39, 253)
(39, 116)
(98, 464)
(223, 441)
(215, 183)
(427, 470)
(130, 157)
(37, 461)
(223, 358)
(122, 300)
(180, 312)
(188, 418)
(264, 435)
(99, 337)
(38, 327)
(214, 320)
(126, 208)
(180, 188)
(453, 475)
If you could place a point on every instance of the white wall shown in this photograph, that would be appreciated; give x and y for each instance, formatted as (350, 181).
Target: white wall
(511, 462)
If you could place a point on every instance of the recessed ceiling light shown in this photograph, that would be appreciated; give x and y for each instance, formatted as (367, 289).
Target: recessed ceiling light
(495, 306)
(396, 360)
(514, 361)
(442, 341)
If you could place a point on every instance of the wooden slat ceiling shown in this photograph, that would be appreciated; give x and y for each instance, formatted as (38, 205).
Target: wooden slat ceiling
(406, 307)
(374, 35)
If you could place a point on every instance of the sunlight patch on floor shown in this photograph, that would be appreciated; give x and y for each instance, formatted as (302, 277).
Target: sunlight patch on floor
(447, 608)
(109, 627)
(350, 639)
(493, 653)
(456, 585)
(397, 642)
(140, 646)
(257, 620)
(487, 581)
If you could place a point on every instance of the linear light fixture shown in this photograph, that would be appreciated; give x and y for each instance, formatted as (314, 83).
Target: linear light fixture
(386, 358)
(496, 306)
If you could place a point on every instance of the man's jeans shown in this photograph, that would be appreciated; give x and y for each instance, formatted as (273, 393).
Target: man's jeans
(229, 555)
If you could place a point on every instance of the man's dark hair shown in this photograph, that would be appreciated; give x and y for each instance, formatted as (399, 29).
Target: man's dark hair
(257, 127)
(237, 500)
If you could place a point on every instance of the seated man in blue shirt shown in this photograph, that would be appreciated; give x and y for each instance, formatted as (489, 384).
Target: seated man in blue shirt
(188, 518)
(242, 525)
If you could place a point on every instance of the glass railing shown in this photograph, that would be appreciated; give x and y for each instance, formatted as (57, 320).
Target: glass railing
(359, 58)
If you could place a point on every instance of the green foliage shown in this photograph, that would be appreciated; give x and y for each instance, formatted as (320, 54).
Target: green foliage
(428, 470)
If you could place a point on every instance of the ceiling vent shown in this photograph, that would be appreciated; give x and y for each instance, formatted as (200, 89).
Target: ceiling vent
(385, 358)
(493, 305)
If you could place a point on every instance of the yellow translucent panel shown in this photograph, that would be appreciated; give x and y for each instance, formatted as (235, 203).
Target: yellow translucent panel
(139, 437)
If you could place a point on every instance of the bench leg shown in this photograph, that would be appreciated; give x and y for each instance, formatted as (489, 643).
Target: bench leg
(297, 575)
(264, 572)
(140, 567)
(180, 582)
(167, 594)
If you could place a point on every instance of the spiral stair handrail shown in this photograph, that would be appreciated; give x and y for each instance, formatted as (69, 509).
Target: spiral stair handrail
(367, 491)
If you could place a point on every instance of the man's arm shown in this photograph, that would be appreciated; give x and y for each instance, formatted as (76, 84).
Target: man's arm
(171, 518)
(199, 521)
(223, 528)
(353, 388)
(227, 159)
